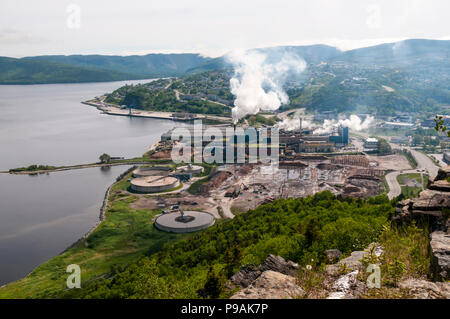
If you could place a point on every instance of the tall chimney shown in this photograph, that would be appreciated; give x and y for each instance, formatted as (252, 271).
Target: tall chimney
(300, 124)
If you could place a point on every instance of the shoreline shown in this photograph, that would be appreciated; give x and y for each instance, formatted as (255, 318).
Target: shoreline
(101, 218)
(103, 208)
(115, 110)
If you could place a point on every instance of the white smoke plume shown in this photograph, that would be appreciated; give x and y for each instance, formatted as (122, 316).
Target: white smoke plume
(354, 123)
(293, 124)
(258, 84)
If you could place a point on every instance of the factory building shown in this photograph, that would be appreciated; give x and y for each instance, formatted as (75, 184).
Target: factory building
(371, 143)
(341, 139)
(398, 125)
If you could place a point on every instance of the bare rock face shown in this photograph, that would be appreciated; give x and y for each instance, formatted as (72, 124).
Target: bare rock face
(422, 289)
(271, 285)
(278, 264)
(249, 273)
(347, 287)
(352, 262)
(440, 247)
(432, 205)
(246, 275)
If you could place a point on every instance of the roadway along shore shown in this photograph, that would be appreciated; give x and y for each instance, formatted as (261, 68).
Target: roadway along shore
(114, 110)
(73, 167)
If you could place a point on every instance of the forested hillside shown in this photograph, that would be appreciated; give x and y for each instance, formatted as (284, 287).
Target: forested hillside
(296, 229)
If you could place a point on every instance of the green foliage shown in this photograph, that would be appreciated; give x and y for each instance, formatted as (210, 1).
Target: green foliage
(213, 285)
(296, 229)
(406, 253)
(383, 147)
(163, 100)
(105, 158)
(32, 168)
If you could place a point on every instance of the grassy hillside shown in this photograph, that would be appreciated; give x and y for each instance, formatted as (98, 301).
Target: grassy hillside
(124, 237)
(127, 257)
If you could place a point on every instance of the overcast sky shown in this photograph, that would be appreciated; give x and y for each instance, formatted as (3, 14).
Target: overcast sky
(211, 27)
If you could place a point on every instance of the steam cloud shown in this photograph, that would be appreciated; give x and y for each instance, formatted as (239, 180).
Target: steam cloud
(258, 84)
(354, 123)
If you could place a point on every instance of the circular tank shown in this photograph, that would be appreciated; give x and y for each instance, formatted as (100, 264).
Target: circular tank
(153, 184)
(151, 171)
(190, 221)
(192, 169)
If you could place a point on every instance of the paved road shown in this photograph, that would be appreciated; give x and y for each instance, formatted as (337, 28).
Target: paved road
(394, 187)
(424, 163)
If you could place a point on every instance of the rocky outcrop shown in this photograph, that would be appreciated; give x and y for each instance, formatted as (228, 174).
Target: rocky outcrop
(271, 285)
(245, 276)
(432, 207)
(249, 273)
(351, 263)
(348, 286)
(422, 289)
(440, 249)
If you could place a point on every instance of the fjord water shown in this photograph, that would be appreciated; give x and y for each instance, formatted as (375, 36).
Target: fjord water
(42, 215)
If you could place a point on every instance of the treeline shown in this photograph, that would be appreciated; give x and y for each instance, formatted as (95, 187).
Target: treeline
(411, 159)
(296, 229)
(32, 168)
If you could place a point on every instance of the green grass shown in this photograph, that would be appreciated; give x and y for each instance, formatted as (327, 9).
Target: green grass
(408, 191)
(208, 172)
(403, 178)
(125, 236)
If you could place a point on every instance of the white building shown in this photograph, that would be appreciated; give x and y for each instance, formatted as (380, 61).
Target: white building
(371, 143)
(398, 125)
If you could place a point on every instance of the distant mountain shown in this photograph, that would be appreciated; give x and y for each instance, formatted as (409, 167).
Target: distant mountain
(420, 56)
(94, 68)
(310, 53)
(403, 53)
(22, 71)
(149, 65)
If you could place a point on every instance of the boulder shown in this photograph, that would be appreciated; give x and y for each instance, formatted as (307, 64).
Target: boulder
(443, 173)
(422, 289)
(440, 249)
(347, 287)
(442, 185)
(353, 262)
(249, 273)
(271, 285)
(278, 264)
(245, 276)
(428, 207)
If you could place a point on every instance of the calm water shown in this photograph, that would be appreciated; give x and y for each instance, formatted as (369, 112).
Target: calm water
(46, 124)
